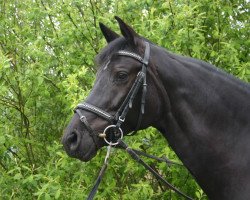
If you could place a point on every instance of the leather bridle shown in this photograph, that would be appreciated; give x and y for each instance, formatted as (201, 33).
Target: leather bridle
(117, 119)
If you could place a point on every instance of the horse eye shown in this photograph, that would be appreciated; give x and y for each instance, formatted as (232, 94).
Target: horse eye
(121, 76)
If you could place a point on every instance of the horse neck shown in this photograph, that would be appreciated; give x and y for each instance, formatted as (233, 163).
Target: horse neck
(205, 113)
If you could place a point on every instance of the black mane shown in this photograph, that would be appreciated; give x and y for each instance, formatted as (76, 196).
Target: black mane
(209, 67)
(121, 44)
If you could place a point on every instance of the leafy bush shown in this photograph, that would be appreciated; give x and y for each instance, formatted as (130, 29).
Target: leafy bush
(46, 67)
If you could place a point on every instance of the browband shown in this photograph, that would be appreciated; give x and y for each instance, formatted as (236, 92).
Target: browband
(130, 54)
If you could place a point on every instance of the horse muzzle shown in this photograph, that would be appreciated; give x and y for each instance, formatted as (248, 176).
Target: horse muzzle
(78, 144)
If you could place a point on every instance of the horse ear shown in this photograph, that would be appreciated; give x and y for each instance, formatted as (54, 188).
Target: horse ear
(127, 31)
(108, 33)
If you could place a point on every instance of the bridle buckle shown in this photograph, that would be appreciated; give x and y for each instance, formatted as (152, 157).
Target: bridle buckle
(83, 118)
(121, 119)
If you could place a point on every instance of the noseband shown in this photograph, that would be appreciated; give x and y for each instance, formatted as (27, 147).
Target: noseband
(117, 119)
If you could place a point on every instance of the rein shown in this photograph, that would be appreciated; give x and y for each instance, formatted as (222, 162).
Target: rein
(115, 139)
(135, 154)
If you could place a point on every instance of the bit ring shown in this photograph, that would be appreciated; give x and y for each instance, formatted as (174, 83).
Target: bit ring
(109, 142)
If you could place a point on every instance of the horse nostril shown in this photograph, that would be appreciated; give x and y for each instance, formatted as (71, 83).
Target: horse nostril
(74, 139)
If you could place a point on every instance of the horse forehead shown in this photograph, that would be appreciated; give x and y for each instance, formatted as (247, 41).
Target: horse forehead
(106, 65)
(119, 61)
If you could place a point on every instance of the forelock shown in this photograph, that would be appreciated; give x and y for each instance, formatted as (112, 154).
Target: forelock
(109, 50)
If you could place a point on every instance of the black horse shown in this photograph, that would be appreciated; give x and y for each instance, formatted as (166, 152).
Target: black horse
(203, 112)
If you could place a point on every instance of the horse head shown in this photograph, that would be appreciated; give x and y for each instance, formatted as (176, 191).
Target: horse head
(122, 97)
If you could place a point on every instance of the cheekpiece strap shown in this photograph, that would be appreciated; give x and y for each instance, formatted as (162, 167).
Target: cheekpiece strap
(146, 54)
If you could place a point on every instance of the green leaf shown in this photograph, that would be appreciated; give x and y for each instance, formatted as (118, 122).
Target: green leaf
(58, 193)
(47, 196)
(2, 139)
(18, 176)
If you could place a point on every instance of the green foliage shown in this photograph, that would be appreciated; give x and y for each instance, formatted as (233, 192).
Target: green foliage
(47, 49)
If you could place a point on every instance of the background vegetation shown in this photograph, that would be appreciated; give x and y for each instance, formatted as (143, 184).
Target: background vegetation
(46, 67)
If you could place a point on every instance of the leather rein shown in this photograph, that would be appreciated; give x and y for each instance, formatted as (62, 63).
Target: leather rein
(115, 139)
